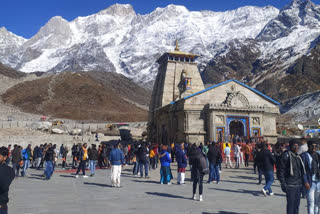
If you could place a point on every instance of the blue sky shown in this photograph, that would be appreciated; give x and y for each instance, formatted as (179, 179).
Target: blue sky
(25, 17)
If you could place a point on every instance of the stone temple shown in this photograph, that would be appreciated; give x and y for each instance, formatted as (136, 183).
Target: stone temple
(183, 110)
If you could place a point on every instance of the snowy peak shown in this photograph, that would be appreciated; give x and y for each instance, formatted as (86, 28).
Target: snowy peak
(8, 38)
(121, 10)
(296, 4)
(3, 30)
(304, 10)
(171, 10)
(298, 13)
(55, 33)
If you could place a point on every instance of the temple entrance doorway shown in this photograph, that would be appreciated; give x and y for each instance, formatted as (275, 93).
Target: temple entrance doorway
(236, 128)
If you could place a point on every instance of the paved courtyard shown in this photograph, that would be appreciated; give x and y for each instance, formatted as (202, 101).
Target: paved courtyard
(238, 193)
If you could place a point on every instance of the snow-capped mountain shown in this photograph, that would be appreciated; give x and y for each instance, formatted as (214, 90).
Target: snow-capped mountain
(291, 34)
(118, 39)
(275, 61)
(251, 43)
(9, 44)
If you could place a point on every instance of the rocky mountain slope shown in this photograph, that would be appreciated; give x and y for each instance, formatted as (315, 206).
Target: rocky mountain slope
(80, 96)
(9, 72)
(305, 108)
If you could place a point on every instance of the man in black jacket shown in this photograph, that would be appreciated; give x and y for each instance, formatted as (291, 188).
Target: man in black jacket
(292, 176)
(266, 161)
(142, 153)
(48, 158)
(93, 157)
(6, 177)
(16, 159)
(214, 157)
(257, 162)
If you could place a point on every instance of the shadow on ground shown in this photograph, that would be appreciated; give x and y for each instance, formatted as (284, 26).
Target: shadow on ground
(241, 191)
(251, 192)
(67, 176)
(37, 178)
(166, 195)
(239, 182)
(146, 181)
(224, 212)
(96, 184)
(37, 175)
(245, 177)
(240, 171)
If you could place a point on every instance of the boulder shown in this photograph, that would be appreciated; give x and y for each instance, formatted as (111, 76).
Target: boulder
(57, 131)
(76, 132)
(109, 132)
(43, 126)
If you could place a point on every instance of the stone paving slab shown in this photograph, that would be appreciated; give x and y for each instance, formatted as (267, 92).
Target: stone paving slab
(237, 193)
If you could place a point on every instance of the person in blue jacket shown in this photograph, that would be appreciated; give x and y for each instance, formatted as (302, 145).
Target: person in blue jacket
(26, 155)
(165, 171)
(181, 158)
(117, 159)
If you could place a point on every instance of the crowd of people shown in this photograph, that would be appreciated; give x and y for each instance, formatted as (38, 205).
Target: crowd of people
(297, 166)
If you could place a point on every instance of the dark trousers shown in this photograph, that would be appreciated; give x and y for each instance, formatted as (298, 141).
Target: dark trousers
(254, 166)
(4, 209)
(16, 168)
(74, 162)
(260, 175)
(172, 156)
(82, 166)
(49, 169)
(246, 160)
(196, 180)
(156, 161)
(41, 163)
(135, 166)
(293, 199)
(153, 162)
(146, 168)
(100, 162)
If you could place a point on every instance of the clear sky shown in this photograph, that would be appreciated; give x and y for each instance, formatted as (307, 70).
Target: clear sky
(25, 17)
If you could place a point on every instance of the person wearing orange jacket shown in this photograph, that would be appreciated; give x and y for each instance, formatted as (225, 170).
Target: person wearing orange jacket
(83, 156)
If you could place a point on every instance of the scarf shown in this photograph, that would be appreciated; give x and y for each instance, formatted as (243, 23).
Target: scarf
(302, 149)
(296, 156)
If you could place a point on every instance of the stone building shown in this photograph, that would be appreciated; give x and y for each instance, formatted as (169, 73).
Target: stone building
(183, 110)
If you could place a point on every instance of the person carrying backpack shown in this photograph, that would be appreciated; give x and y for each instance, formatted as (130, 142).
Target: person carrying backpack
(198, 170)
(205, 150)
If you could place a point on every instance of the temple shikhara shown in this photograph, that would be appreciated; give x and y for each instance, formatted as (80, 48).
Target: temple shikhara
(183, 110)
